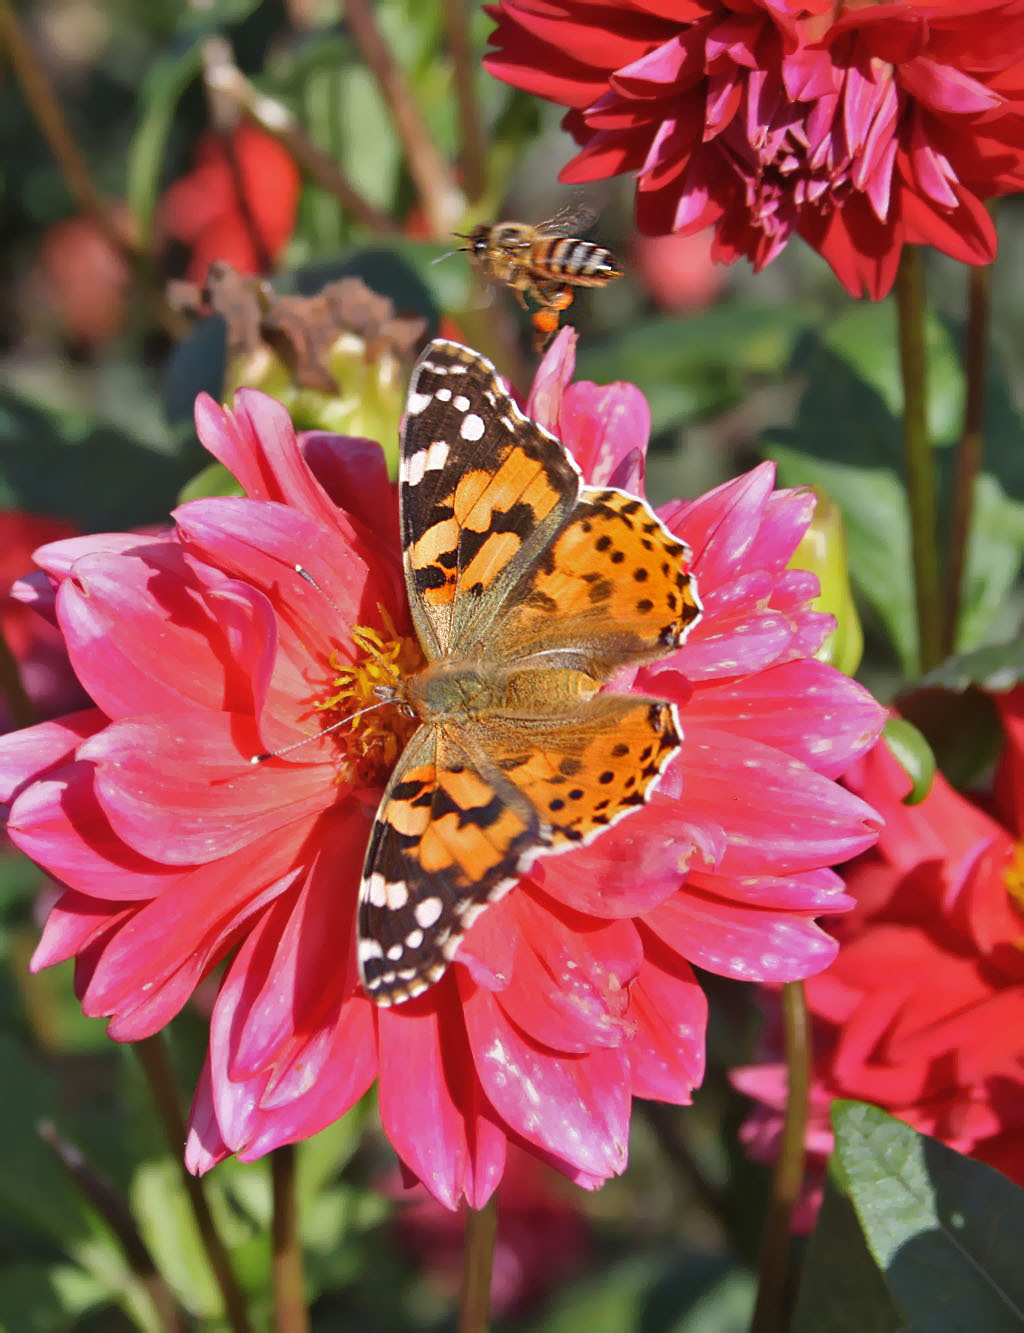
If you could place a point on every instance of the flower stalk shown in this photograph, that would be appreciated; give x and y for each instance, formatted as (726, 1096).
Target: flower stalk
(430, 172)
(290, 1312)
(769, 1312)
(920, 471)
(471, 156)
(102, 1196)
(478, 1260)
(970, 445)
(156, 1065)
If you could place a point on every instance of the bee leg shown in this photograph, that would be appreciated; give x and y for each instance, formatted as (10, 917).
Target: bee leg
(553, 298)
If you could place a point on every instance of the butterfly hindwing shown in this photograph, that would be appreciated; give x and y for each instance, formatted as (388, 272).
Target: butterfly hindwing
(449, 838)
(614, 587)
(482, 491)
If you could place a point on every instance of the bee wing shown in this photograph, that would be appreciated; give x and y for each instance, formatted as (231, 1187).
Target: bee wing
(572, 219)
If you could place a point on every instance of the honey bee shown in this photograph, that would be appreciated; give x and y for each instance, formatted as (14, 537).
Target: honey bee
(544, 262)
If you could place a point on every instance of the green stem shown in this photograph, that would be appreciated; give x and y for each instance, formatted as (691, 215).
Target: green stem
(471, 125)
(910, 301)
(102, 1196)
(290, 1312)
(475, 1300)
(156, 1065)
(769, 1312)
(970, 446)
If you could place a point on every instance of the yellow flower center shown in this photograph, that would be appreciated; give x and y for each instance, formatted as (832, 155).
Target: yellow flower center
(371, 687)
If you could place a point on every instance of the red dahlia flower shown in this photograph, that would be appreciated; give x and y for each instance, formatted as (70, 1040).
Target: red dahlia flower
(861, 127)
(569, 997)
(26, 619)
(237, 203)
(922, 1012)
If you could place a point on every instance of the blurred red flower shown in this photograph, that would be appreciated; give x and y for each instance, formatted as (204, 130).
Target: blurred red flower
(26, 618)
(238, 202)
(860, 127)
(922, 1013)
(81, 281)
(204, 646)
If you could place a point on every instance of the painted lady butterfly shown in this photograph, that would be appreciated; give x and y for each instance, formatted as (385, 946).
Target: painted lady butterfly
(528, 590)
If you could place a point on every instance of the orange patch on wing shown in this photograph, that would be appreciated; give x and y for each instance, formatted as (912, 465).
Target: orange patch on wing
(469, 490)
(436, 541)
(467, 789)
(491, 559)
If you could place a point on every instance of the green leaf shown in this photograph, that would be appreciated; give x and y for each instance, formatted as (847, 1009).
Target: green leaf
(676, 1293)
(90, 473)
(864, 337)
(161, 90)
(945, 1230)
(44, 1297)
(690, 366)
(994, 555)
(212, 481)
(841, 1289)
(913, 754)
(995, 669)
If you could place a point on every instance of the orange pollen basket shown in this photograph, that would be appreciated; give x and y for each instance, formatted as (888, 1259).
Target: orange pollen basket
(384, 658)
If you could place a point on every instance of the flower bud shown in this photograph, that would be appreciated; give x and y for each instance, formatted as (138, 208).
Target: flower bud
(822, 551)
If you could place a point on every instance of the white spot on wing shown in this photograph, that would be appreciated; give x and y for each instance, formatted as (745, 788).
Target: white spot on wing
(472, 426)
(428, 912)
(417, 402)
(461, 403)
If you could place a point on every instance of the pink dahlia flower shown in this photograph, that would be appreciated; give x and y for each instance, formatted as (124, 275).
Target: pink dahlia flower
(922, 1013)
(860, 127)
(568, 998)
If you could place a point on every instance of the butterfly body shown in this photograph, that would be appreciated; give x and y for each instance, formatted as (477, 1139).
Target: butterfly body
(528, 591)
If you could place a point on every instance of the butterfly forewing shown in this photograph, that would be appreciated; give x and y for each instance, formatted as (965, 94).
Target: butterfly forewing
(482, 490)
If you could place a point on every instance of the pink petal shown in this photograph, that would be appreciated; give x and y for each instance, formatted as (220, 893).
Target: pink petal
(306, 965)
(812, 712)
(141, 637)
(666, 1056)
(607, 429)
(58, 821)
(57, 558)
(354, 473)
(777, 814)
(205, 1146)
(183, 790)
(74, 924)
(569, 985)
(574, 1107)
(428, 1130)
(814, 891)
(943, 88)
(257, 444)
(748, 943)
(262, 543)
(152, 964)
(553, 377)
(28, 754)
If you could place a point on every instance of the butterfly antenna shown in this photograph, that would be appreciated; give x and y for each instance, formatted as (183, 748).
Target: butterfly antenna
(287, 749)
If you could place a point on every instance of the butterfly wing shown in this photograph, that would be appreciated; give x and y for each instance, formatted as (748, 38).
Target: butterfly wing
(458, 827)
(482, 490)
(452, 835)
(613, 588)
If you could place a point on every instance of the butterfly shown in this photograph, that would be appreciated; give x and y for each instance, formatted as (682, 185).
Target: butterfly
(528, 590)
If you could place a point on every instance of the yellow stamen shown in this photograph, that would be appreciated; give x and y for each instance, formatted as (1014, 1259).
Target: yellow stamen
(383, 659)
